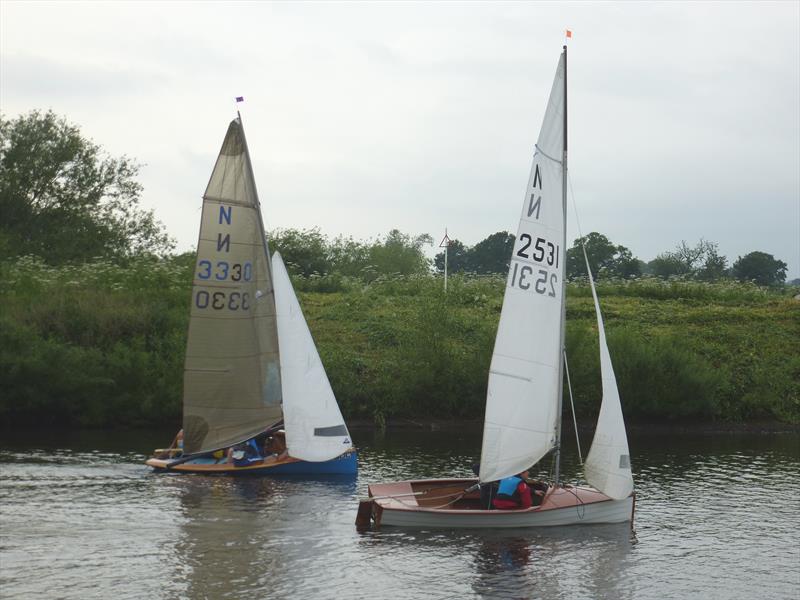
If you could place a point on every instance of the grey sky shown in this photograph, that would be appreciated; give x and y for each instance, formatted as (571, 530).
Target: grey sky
(363, 117)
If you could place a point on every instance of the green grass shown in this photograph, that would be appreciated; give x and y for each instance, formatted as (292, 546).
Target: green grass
(103, 345)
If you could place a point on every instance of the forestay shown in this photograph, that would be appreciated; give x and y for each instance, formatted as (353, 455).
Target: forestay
(232, 388)
(608, 465)
(315, 429)
(524, 379)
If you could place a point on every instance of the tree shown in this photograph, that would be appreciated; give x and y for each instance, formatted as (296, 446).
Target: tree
(761, 268)
(665, 265)
(305, 251)
(348, 256)
(715, 266)
(457, 258)
(399, 253)
(702, 261)
(62, 198)
(492, 254)
(604, 258)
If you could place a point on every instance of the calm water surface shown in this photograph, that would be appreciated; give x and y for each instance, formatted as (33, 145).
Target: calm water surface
(81, 517)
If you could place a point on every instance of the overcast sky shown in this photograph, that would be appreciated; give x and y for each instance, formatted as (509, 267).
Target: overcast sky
(363, 117)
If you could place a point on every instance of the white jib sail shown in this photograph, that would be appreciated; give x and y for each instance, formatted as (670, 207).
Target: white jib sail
(608, 465)
(521, 404)
(315, 429)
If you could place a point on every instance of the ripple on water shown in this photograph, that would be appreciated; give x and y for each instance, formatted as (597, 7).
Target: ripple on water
(713, 520)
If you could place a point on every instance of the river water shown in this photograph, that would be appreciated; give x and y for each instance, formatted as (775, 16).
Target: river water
(718, 516)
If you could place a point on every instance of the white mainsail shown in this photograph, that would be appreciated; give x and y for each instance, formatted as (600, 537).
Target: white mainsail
(232, 388)
(608, 465)
(521, 420)
(315, 428)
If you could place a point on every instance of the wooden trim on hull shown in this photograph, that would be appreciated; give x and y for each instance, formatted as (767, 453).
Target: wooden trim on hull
(425, 504)
(343, 464)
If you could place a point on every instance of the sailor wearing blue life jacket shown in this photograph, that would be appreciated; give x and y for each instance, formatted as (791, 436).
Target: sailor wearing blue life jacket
(513, 492)
(243, 454)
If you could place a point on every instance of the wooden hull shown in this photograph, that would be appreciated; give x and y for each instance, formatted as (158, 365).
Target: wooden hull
(442, 503)
(346, 464)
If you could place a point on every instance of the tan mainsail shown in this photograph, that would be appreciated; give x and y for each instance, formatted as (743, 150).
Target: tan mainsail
(232, 387)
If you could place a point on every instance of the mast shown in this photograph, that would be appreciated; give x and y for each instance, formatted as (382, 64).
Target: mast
(258, 200)
(264, 239)
(563, 281)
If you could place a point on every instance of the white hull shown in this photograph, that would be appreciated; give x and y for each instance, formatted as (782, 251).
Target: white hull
(444, 504)
(609, 511)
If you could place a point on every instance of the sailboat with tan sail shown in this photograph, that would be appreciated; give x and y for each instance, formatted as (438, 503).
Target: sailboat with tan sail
(522, 422)
(253, 379)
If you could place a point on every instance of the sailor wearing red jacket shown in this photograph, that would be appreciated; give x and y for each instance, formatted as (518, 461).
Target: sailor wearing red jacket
(513, 492)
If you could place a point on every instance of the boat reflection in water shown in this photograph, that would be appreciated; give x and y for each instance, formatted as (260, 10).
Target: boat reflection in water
(251, 534)
(522, 566)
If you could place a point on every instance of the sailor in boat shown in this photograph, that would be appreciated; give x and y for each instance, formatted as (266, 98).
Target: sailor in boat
(174, 450)
(513, 492)
(262, 448)
(519, 491)
(275, 447)
(245, 453)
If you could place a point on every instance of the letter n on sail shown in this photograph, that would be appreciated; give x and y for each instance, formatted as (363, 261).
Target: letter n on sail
(535, 203)
(534, 206)
(224, 242)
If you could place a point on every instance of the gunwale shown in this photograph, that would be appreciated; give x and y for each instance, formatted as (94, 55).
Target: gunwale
(261, 466)
(409, 503)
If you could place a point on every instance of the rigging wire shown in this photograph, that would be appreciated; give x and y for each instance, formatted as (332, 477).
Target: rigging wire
(572, 406)
(574, 206)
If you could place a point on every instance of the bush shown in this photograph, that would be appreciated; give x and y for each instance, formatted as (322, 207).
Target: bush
(103, 344)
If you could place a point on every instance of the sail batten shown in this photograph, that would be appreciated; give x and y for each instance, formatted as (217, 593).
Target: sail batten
(521, 420)
(232, 388)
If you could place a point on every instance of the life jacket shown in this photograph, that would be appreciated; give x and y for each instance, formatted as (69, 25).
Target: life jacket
(253, 450)
(244, 454)
(508, 486)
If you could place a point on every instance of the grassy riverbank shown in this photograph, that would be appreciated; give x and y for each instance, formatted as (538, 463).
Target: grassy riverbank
(102, 345)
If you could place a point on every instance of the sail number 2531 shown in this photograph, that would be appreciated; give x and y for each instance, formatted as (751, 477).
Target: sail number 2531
(541, 281)
(542, 251)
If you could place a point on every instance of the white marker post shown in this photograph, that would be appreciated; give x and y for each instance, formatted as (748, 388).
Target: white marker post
(444, 244)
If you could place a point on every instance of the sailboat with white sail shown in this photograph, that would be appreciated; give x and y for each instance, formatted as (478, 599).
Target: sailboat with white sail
(252, 370)
(522, 422)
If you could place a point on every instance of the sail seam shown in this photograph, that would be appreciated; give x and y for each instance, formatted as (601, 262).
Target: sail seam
(527, 360)
(233, 318)
(510, 375)
(507, 426)
(230, 356)
(543, 153)
(531, 262)
(233, 243)
(214, 200)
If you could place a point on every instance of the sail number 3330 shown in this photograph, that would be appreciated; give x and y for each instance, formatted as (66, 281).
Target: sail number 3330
(222, 300)
(223, 271)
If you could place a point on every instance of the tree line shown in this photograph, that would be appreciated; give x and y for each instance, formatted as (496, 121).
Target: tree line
(701, 262)
(65, 200)
(94, 320)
